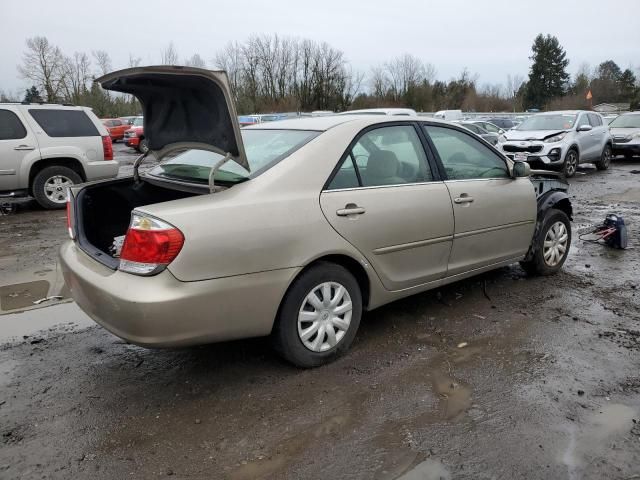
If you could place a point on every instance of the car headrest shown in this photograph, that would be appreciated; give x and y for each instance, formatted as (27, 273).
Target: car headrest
(382, 164)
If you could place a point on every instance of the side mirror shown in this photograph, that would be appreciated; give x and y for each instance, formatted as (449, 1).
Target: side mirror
(585, 128)
(521, 169)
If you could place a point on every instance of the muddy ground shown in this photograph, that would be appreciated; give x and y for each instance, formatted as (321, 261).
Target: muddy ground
(547, 386)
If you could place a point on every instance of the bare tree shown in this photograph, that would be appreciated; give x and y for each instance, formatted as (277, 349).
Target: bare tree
(195, 61)
(230, 59)
(169, 56)
(404, 72)
(103, 61)
(134, 61)
(77, 76)
(43, 65)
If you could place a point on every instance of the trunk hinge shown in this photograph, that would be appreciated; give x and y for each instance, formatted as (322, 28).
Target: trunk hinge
(136, 165)
(212, 182)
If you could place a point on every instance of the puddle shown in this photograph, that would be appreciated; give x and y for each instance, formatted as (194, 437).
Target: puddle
(20, 291)
(430, 469)
(17, 325)
(594, 439)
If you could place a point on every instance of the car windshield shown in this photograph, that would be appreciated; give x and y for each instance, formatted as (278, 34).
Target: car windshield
(560, 121)
(626, 121)
(264, 148)
(138, 122)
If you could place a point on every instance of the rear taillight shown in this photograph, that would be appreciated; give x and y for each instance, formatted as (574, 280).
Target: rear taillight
(149, 246)
(107, 148)
(70, 222)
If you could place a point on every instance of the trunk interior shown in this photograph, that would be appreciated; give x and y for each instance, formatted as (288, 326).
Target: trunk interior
(103, 212)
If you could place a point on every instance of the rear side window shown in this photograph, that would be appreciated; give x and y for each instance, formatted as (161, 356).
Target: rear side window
(64, 123)
(11, 128)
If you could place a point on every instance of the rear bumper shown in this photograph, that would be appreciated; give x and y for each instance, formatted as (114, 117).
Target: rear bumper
(101, 170)
(161, 311)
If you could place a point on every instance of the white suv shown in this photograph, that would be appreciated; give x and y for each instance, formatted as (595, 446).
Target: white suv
(46, 148)
(560, 141)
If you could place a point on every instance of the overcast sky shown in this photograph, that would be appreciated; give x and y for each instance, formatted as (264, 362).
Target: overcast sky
(491, 38)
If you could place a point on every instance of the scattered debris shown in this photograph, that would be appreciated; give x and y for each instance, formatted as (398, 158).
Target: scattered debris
(580, 393)
(462, 345)
(47, 299)
(479, 316)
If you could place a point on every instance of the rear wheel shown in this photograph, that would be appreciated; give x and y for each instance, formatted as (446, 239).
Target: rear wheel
(551, 244)
(50, 186)
(319, 316)
(571, 161)
(605, 159)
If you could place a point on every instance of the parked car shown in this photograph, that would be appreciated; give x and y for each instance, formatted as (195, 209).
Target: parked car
(134, 137)
(45, 148)
(489, 137)
(504, 123)
(449, 115)
(300, 227)
(625, 130)
(116, 128)
(561, 141)
(246, 120)
(489, 127)
(402, 112)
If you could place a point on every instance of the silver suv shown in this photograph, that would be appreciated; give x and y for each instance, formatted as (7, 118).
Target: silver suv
(560, 141)
(46, 148)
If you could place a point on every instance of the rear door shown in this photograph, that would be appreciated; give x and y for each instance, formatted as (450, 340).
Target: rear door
(494, 214)
(387, 201)
(17, 144)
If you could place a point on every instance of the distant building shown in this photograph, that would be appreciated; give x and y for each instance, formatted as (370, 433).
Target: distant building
(612, 107)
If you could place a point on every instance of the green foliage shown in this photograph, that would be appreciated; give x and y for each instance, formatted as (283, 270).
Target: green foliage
(548, 76)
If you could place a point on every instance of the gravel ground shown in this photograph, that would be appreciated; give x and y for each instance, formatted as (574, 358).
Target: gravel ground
(547, 386)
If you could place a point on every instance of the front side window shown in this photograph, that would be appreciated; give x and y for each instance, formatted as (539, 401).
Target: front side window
(264, 148)
(11, 128)
(464, 156)
(491, 128)
(64, 123)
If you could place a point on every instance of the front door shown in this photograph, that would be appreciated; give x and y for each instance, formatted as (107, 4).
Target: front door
(587, 140)
(494, 214)
(385, 200)
(16, 143)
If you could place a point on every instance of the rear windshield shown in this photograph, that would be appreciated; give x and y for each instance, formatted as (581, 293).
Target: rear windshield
(560, 121)
(264, 148)
(64, 123)
(626, 121)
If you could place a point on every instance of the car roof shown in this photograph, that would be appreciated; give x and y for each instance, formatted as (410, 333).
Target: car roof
(564, 112)
(329, 121)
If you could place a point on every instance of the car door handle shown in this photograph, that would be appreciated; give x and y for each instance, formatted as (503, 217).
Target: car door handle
(464, 198)
(350, 209)
(24, 147)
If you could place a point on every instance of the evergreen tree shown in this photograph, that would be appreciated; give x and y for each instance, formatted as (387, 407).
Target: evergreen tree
(627, 86)
(548, 74)
(32, 95)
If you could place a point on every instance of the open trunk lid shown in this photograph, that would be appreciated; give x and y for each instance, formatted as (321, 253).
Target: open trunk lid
(184, 108)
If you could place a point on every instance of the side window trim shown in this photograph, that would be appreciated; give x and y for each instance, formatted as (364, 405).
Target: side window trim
(355, 167)
(356, 139)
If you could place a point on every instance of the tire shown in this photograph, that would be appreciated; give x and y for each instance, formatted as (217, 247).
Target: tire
(551, 225)
(50, 186)
(143, 146)
(297, 316)
(571, 162)
(605, 158)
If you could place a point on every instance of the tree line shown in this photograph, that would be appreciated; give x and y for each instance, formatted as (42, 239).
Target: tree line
(271, 73)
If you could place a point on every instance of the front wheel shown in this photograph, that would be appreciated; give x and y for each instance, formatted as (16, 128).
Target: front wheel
(571, 163)
(605, 159)
(550, 245)
(50, 186)
(143, 146)
(319, 316)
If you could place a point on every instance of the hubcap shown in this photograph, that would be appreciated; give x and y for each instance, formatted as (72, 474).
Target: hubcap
(606, 157)
(555, 244)
(55, 188)
(572, 163)
(324, 317)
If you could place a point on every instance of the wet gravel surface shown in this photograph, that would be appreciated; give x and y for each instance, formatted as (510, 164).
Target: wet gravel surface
(499, 376)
